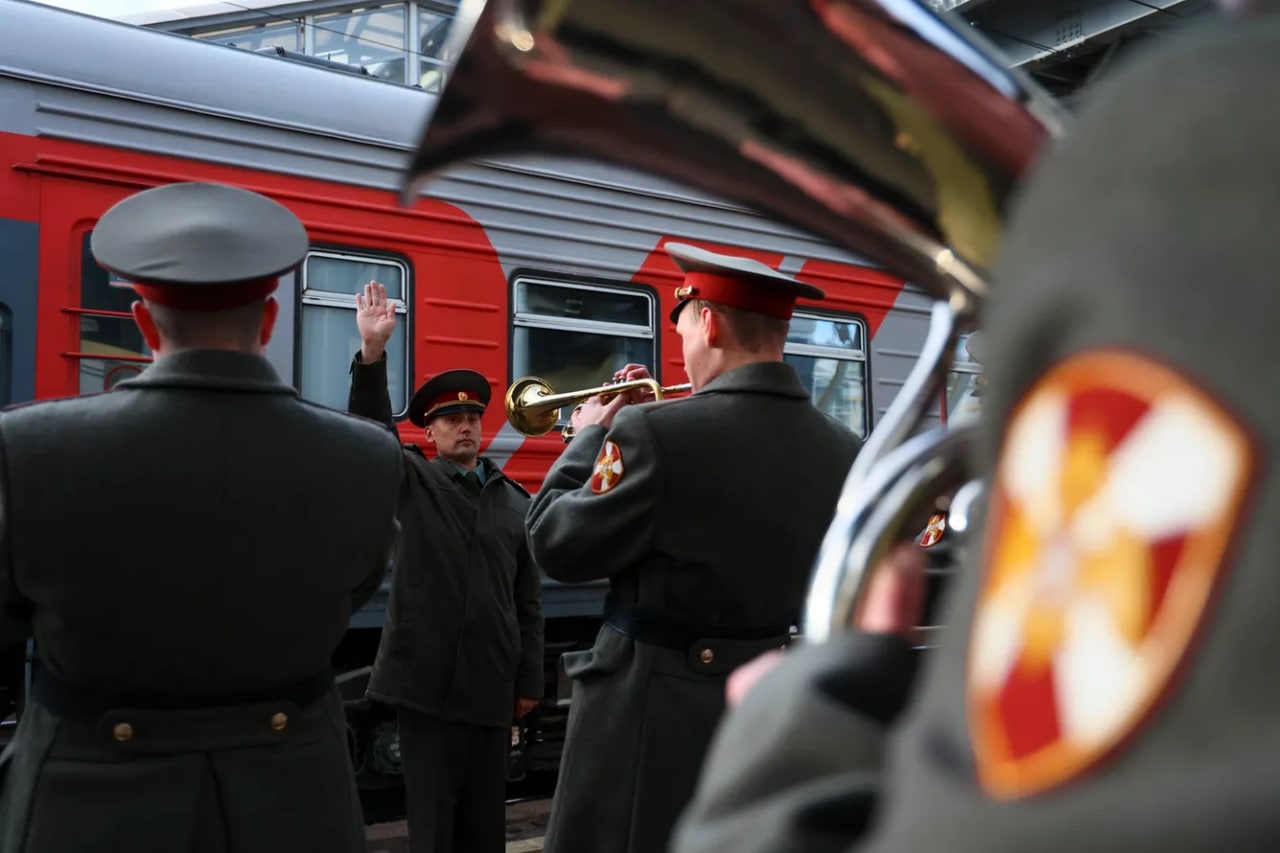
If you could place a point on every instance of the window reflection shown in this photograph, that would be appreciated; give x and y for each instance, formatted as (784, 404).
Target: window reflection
(826, 331)
(374, 38)
(401, 42)
(828, 353)
(576, 336)
(287, 35)
(328, 327)
(106, 328)
(572, 361)
(965, 380)
(836, 386)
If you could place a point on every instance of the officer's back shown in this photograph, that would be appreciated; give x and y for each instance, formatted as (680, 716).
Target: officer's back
(186, 551)
(185, 536)
(764, 504)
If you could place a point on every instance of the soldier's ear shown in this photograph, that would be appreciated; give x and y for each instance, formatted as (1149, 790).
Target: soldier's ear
(146, 324)
(711, 328)
(270, 311)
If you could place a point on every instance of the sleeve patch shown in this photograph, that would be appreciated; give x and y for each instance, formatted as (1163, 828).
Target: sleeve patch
(1117, 493)
(609, 468)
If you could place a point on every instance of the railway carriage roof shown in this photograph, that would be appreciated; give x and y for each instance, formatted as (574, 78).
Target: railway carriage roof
(55, 46)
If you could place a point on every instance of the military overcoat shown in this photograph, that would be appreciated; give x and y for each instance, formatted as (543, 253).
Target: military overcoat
(187, 550)
(705, 515)
(1130, 447)
(464, 630)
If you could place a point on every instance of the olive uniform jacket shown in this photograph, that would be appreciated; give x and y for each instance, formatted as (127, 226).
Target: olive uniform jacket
(1149, 727)
(705, 514)
(187, 550)
(464, 630)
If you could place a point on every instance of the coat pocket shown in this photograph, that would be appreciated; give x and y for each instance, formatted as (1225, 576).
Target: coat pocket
(612, 652)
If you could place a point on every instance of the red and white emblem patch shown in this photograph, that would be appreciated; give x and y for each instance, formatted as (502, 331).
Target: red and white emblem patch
(933, 531)
(1111, 510)
(608, 470)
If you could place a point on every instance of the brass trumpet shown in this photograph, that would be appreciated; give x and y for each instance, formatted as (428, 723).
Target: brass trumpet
(533, 407)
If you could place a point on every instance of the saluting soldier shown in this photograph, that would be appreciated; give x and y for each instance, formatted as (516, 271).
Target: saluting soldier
(706, 540)
(461, 650)
(186, 550)
(1105, 682)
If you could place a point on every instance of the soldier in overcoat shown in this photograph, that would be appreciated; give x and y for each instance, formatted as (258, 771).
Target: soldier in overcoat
(704, 513)
(1103, 683)
(461, 651)
(186, 551)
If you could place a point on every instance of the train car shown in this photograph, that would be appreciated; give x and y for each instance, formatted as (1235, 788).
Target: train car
(545, 266)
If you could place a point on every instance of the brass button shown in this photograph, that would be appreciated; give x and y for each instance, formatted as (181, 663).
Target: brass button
(707, 656)
(122, 732)
(279, 720)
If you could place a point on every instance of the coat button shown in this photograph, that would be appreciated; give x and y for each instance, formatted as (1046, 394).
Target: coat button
(279, 720)
(707, 656)
(122, 732)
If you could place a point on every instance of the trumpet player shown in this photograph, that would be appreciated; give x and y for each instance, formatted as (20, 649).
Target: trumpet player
(705, 541)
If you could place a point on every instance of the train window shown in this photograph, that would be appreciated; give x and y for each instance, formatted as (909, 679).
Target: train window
(376, 38)
(111, 347)
(830, 354)
(576, 335)
(433, 34)
(964, 382)
(287, 35)
(330, 281)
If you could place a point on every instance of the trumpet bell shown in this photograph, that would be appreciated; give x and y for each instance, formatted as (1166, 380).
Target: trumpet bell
(523, 411)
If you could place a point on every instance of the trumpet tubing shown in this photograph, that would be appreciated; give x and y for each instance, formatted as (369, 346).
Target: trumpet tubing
(533, 407)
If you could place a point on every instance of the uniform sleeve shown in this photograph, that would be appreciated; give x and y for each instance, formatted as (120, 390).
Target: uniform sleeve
(796, 766)
(385, 557)
(596, 512)
(15, 609)
(368, 396)
(528, 587)
(380, 568)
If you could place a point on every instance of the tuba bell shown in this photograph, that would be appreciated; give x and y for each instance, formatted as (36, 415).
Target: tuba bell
(883, 126)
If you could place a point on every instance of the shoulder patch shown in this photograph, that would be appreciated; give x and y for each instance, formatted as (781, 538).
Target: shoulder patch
(933, 531)
(609, 468)
(1114, 500)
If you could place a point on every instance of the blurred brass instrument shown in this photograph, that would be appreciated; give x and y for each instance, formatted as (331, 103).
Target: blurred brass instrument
(889, 129)
(533, 407)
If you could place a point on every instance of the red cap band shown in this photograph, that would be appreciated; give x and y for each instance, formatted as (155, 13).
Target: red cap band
(454, 397)
(737, 292)
(208, 297)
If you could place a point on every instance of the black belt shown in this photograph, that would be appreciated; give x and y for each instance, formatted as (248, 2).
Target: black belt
(68, 699)
(677, 634)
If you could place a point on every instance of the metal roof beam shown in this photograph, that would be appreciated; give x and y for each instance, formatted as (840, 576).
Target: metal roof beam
(1040, 33)
(959, 6)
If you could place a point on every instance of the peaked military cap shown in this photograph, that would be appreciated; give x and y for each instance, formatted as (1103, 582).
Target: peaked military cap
(451, 391)
(199, 246)
(740, 282)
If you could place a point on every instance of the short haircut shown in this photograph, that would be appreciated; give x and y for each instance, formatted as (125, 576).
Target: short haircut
(237, 327)
(750, 330)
